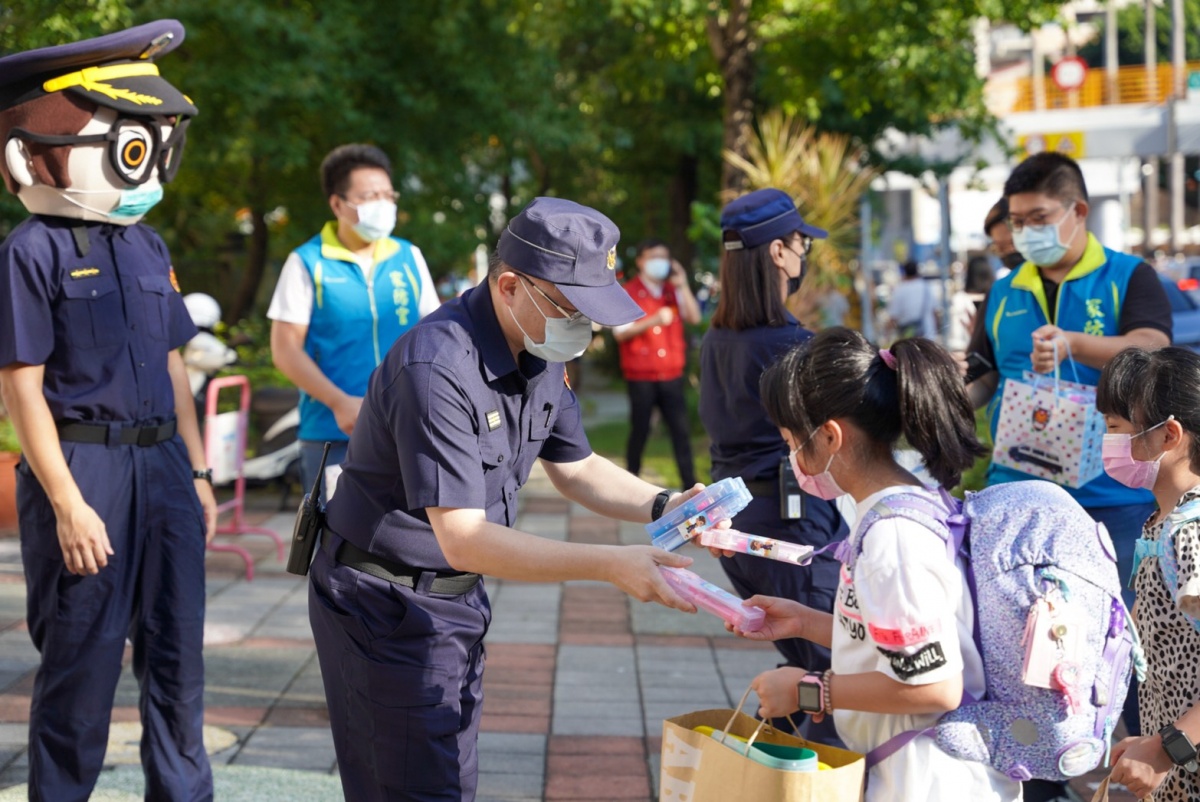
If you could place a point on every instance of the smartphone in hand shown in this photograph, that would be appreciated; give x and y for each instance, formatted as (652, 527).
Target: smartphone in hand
(977, 366)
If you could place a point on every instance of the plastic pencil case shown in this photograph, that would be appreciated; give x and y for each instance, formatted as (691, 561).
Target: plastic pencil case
(712, 599)
(719, 502)
(755, 546)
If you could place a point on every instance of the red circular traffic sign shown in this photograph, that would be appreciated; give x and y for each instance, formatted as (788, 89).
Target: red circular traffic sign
(1069, 73)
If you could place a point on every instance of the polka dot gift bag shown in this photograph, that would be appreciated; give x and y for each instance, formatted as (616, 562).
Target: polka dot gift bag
(1050, 429)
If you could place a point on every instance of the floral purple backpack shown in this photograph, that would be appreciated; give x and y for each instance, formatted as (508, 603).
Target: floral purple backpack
(1058, 645)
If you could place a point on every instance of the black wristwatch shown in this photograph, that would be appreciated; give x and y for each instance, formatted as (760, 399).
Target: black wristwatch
(660, 504)
(1179, 747)
(205, 474)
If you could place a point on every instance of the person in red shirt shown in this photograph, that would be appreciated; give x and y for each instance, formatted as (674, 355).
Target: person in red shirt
(653, 353)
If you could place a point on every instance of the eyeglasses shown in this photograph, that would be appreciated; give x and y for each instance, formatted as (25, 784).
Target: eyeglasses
(135, 146)
(368, 197)
(1037, 219)
(571, 317)
(806, 242)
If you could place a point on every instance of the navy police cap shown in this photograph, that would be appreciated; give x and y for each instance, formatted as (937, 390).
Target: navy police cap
(762, 216)
(575, 248)
(115, 70)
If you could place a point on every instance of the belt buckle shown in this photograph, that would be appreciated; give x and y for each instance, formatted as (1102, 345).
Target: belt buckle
(147, 436)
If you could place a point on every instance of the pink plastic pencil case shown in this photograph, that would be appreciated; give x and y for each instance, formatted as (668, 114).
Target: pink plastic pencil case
(755, 546)
(713, 599)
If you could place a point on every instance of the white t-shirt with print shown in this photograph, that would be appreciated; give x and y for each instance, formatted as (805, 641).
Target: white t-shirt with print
(907, 614)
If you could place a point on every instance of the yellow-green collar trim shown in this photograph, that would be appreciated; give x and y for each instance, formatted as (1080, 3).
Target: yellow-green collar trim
(1028, 277)
(332, 247)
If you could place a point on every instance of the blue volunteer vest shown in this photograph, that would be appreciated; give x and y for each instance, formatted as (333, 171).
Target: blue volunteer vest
(355, 318)
(1089, 300)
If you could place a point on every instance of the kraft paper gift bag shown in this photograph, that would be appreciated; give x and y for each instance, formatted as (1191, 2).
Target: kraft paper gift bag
(696, 767)
(1050, 429)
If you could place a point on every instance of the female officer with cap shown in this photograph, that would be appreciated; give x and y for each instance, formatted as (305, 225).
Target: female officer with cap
(766, 243)
(452, 422)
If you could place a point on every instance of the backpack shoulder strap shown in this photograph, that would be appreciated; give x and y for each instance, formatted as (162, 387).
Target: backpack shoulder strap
(919, 509)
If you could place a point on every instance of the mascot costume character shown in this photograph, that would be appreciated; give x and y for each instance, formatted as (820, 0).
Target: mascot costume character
(113, 496)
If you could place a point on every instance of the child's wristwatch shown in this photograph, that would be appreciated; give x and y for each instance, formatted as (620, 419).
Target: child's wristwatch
(1179, 748)
(810, 693)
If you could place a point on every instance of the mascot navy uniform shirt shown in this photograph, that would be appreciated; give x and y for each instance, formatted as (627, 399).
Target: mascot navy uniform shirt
(450, 420)
(102, 323)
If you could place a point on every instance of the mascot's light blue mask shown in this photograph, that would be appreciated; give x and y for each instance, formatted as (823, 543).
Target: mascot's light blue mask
(137, 201)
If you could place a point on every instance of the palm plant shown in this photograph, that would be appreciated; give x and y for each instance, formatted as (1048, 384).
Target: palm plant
(827, 175)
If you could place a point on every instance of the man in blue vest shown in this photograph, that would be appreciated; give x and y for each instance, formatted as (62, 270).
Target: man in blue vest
(1075, 301)
(343, 298)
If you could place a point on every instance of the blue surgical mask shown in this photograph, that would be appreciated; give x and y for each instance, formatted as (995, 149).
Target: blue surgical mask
(1043, 245)
(658, 269)
(137, 201)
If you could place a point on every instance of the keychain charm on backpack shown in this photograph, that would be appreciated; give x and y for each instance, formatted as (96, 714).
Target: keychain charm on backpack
(1066, 676)
(1052, 635)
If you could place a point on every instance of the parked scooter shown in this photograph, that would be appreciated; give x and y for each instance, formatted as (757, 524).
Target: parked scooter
(274, 411)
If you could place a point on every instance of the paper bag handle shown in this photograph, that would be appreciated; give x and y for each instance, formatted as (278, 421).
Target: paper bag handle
(757, 730)
(1102, 792)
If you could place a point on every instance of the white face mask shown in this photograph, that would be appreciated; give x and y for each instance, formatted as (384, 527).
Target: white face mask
(566, 337)
(376, 219)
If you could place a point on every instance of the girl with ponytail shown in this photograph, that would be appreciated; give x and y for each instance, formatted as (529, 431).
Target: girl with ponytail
(900, 632)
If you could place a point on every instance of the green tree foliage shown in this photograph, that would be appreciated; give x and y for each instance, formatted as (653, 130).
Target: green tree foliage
(1131, 35)
(483, 104)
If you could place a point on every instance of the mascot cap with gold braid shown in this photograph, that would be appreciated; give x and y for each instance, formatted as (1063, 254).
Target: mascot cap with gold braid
(115, 70)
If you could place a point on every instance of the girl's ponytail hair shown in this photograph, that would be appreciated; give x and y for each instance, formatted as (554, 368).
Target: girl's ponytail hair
(838, 374)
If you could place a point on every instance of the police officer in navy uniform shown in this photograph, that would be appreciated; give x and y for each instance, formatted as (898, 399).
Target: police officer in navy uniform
(113, 494)
(765, 252)
(452, 423)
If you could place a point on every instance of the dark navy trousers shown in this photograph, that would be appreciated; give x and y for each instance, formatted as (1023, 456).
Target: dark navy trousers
(403, 674)
(152, 592)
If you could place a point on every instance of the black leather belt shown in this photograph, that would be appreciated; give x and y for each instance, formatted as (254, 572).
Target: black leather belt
(451, 584)
(98, 433)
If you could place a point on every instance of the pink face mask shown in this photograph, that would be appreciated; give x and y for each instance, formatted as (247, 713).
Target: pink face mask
(822, 485)
(1120, 464)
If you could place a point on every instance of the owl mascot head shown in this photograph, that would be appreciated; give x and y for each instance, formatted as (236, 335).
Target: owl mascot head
(90, 130)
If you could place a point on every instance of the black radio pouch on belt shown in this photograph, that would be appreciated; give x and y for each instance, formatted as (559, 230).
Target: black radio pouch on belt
(791, 500)
(310, 520)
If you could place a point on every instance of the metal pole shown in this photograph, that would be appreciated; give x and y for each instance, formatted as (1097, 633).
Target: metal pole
(1151, 52)
(1150, 165)
(1178, 90)
(866, 296)
(1038, 69)
(1110, 53)
(944, 197)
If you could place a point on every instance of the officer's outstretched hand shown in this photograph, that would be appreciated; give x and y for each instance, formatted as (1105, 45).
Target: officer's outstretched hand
(636, 573)
(83, 539)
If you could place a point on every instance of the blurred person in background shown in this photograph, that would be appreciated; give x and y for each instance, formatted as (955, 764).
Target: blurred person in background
(654, 353)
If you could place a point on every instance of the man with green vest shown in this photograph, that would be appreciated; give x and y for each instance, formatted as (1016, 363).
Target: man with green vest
(343, 298)
(1080, 303)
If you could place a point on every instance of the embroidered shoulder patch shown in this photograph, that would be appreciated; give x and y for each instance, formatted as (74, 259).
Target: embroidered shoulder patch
(175, 281)
(85, 272)
(922, 661)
